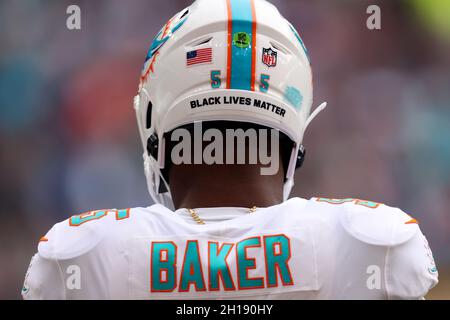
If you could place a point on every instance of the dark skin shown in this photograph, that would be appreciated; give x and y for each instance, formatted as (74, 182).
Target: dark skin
(202, 186)
(227, 185)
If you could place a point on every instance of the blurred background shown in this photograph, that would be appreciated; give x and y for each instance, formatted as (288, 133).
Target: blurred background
(69, 142)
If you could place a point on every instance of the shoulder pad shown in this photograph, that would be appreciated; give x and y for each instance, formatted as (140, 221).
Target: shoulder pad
(77, 235)
(374, 223)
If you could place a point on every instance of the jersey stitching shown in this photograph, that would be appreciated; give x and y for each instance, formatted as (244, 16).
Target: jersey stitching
(316, 280)
(386, 266)
(59, 265)
(386, 262)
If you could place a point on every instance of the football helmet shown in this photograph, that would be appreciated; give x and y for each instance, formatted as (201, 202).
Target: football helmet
(226, 49)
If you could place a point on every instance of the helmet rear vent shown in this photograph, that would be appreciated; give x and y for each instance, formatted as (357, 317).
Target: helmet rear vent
(279, 47)
(185, 13)
(200, 42)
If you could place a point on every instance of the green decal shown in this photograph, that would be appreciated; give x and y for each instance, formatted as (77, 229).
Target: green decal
(241, 40)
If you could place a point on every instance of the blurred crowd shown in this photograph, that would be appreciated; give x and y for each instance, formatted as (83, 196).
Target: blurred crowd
(69, 142)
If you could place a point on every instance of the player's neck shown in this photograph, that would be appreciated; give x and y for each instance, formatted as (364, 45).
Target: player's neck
(221, 189)
(237, 196)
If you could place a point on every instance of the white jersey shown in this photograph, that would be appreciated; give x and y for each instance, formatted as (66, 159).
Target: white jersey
(300, 249)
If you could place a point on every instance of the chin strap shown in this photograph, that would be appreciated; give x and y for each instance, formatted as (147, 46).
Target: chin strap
(287, 188)
(301, 152)
(311, 117)
(300, 157)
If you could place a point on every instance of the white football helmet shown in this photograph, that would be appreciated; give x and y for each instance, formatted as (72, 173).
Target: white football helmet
(223, 48)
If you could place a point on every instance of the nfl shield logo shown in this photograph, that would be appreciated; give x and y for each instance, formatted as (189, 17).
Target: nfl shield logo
(269, 57)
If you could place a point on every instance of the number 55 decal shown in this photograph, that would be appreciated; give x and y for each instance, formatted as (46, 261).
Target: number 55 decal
(216, 81)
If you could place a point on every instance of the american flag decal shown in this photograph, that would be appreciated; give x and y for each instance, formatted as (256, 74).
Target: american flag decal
(199, 56)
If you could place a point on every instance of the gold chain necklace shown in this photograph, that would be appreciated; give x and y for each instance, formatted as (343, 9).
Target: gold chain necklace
(199, 220)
